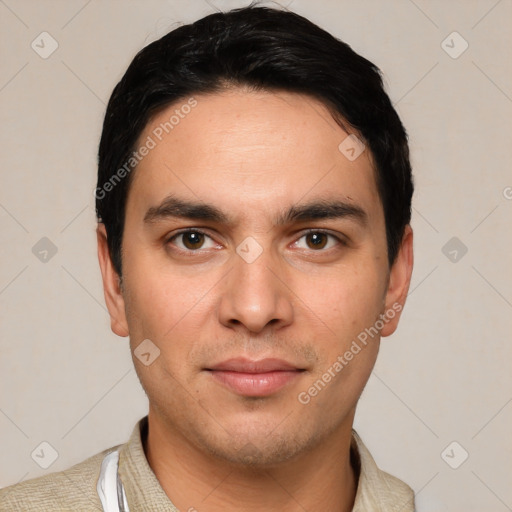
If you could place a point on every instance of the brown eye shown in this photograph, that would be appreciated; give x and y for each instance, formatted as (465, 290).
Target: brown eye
(192, 239)
(316, 240)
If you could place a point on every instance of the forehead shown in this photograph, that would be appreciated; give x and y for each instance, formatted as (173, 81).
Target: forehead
(251, 149)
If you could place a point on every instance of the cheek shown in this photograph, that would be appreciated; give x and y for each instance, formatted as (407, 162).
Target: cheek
(159, 301)
(172, 312)
(163, 312)
(347, 299)
(349, 306)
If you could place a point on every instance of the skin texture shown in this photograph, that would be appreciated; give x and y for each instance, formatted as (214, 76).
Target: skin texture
(253, 155)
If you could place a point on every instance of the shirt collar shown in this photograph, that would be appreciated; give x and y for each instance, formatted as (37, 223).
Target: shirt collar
(377, 490)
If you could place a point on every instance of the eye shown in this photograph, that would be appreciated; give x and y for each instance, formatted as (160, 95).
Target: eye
(317, 240)
(192, 240)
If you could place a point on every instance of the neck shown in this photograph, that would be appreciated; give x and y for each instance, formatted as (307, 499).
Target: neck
(321, 479)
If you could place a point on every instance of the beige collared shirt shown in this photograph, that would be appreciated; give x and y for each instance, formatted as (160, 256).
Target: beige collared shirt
(75, 488)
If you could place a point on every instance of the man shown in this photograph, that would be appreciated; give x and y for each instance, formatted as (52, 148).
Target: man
(253, 200)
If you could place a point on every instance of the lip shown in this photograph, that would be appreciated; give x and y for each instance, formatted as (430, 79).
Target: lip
(259, 378)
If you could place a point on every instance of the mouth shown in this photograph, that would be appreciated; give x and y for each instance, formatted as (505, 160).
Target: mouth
(254, 378)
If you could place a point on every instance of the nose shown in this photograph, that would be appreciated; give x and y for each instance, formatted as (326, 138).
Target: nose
(255, 295)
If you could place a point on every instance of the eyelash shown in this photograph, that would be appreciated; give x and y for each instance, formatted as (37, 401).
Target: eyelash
(307, 232)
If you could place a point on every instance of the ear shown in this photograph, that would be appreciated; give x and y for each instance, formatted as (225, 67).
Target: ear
(399, 281)
(111, 286)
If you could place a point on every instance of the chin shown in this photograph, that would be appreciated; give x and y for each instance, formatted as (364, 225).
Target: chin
(256, 454)
(257, 445)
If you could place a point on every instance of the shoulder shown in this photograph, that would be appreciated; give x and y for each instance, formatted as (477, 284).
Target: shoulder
(395, 490)
(72, 489)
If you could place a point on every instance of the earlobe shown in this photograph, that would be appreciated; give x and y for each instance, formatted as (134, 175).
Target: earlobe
(111, 286)
(399, 281)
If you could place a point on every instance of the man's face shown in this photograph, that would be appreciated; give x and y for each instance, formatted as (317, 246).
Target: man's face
(257, 275)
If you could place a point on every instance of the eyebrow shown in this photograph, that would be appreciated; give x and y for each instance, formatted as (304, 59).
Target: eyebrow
(172, 206)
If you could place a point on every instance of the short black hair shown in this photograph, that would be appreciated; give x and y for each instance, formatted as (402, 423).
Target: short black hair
(264, 49)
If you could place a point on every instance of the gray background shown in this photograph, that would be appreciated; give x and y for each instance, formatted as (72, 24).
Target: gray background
(444, 376)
